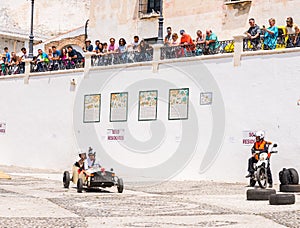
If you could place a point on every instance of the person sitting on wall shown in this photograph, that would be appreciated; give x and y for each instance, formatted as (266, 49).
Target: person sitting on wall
(91, 160)
(79, 167)
(263, 146)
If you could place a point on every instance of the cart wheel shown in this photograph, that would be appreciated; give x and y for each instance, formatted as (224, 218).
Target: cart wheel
(79, 185)
(120, 185)
(66, 179)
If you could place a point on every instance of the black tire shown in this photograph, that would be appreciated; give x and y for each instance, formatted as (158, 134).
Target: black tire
(262, 177)
(289, 188)
(282, 199)
(259, 194)
(79, 185)
(66, 179)
(294, 176)
(120, 185)
(252, 182)
(285, 176)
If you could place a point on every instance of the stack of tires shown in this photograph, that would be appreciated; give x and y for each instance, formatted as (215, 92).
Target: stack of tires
(289, 180)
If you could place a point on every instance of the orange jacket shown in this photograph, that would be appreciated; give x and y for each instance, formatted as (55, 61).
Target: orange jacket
(261, 146)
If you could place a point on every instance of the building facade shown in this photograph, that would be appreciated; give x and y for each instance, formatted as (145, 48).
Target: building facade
(126, 18)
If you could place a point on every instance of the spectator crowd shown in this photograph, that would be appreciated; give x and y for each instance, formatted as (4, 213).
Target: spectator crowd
(256, 38)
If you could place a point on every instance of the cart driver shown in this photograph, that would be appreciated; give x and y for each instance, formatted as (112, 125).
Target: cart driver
(91, 160)
(79, 167)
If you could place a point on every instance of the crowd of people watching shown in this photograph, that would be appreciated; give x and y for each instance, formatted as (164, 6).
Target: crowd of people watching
(256, 38)
(112, 53)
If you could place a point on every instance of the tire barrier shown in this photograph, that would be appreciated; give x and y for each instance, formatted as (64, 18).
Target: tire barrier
(259, 194)
(289, 188)
(282, 199)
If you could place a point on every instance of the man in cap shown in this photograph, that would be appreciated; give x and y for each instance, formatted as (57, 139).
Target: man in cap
(187, 43)
(88, 46)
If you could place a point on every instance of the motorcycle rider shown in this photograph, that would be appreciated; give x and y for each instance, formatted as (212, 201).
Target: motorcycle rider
(259, 145)
(91, 161)
(79, 167)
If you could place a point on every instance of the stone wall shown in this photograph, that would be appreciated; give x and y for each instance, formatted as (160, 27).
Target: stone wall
(51, 18)
(78, 40)
(121, 18)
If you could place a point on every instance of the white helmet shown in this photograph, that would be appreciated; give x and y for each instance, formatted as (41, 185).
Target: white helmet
(260, 134)
(80, 152)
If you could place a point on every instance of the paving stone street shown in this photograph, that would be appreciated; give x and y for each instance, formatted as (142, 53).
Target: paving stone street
(36, 198)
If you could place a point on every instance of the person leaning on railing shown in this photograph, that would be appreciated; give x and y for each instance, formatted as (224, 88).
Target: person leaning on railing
(199, 42)
(41, 61)
(168, 37)
(55, 58)
(292, 30)
(23, 57)
(122, 50)
(211, 41)
(75, 57)
(253, 35)
(144, 51)
(270, 35)
(186, 43)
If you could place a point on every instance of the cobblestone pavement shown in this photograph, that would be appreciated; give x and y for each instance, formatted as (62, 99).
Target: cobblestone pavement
(28, 201)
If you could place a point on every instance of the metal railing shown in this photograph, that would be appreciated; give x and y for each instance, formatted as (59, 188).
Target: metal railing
(172, 52)
(56, 65)
(12, 69)
(122, 58)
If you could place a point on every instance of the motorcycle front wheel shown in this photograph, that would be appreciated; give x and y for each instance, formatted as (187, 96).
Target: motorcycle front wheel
(261, 177)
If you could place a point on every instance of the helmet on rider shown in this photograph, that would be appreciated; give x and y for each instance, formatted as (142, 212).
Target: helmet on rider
(81, 154)
(259, 135)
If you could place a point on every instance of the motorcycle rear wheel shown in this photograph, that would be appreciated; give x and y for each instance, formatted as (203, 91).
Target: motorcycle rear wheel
(261, 177)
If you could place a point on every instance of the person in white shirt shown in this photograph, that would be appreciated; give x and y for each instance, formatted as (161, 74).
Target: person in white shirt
(91, 160)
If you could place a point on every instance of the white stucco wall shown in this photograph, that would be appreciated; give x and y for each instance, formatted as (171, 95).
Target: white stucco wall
(44, 118)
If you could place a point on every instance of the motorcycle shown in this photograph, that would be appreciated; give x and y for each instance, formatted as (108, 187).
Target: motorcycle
(261, 167)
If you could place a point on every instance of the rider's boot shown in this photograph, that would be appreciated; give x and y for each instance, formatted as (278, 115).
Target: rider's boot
(249, 175)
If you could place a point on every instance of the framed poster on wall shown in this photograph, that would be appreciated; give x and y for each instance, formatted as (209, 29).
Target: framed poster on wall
(206, 98)
(118, 107)
(148, 105)
(92, 104)
(178, 104)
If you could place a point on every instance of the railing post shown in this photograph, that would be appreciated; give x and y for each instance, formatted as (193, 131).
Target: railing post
(238, 49)
(87, 63)
(156, 56)
(27, 70)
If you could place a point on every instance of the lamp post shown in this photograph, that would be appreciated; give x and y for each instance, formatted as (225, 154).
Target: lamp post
(31, 32)
(160, 24)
